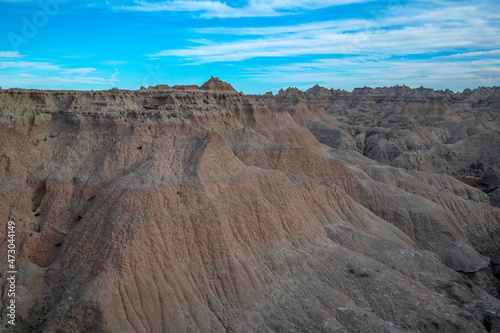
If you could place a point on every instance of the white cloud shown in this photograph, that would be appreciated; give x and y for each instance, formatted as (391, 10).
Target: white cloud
(28, 65)
(339, 25)
(9, 54)
(60, 81)
(114, 77)
(79, 70)
(477, 54)
(114, 63)
(254, 8)
(16, 80)
(357, 72)
(37, 73)
(404, 41)
(425, 31)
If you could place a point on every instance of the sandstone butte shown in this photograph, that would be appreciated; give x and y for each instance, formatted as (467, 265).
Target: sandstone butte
(200, 209)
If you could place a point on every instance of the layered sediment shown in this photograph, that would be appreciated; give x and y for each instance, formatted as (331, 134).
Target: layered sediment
(179, 210)
(416, 129)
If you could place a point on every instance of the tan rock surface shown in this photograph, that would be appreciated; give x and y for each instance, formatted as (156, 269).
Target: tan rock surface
(206, 211)
(416, 129)
(215, 84)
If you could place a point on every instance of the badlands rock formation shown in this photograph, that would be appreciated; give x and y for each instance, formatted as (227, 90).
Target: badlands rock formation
(214, 84)
(416, 129)
(206, 210)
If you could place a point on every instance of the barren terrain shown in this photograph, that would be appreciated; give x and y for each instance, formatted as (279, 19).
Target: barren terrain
(201, 209)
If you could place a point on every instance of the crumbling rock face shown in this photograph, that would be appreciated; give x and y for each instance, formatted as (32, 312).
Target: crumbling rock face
(214, 84)
(207, 211)
(416, 129)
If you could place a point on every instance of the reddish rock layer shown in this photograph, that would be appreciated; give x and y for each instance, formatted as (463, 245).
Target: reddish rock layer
(200, 211)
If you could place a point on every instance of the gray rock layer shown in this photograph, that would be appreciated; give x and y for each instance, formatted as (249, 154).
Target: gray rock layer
(201, 211)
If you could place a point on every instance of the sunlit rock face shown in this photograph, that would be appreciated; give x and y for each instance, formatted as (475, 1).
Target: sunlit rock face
(415, 129)
(205, 210)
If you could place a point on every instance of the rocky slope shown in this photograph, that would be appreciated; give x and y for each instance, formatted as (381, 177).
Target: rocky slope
(190, 210)
(415, 129)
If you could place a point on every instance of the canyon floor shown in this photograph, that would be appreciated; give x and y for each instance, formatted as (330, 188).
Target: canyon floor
(201, 209)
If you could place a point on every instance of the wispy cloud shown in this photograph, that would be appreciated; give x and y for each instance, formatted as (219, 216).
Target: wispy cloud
(114, 63)
(114, 77)
(370, 42)
(253, 8)
(478, 54)
(401, 45)
(79, 70)
(338, 25)
(55, 80)
(358, 71)
(28, 65)
(9, 54)
(425, 31)
(403, 41)
(40, 73)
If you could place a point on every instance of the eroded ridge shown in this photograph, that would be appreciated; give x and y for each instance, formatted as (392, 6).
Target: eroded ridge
(167, 210)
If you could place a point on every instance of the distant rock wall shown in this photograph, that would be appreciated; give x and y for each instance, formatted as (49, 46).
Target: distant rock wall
(415, 129)
(214, 84)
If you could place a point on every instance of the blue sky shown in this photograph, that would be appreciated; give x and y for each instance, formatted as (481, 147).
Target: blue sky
(256, 45)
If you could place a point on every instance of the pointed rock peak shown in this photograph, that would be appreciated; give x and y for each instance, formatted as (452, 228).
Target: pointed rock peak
(215, 84)
(363, 90)
(290, 92)
(314, 88)
(317, 90)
